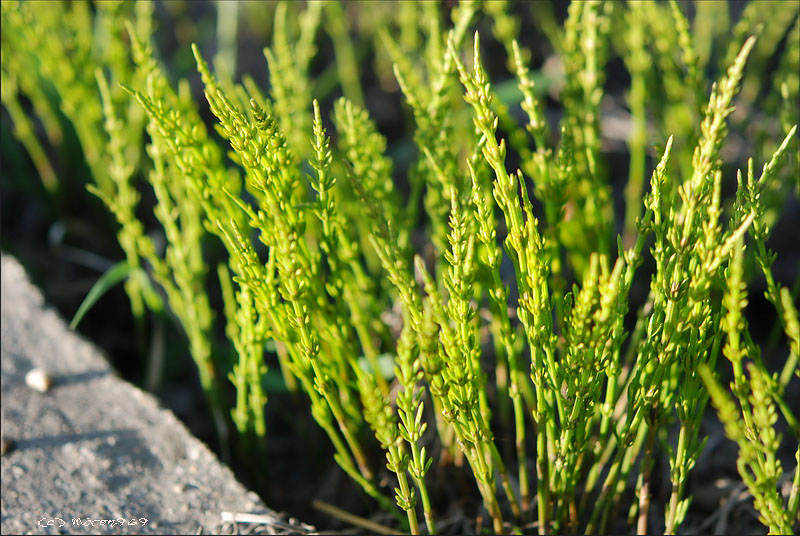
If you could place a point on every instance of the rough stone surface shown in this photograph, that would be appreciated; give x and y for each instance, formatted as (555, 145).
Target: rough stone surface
(94, 447)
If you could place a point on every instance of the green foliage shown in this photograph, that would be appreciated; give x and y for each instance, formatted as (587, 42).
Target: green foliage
(329, 265)
(752, 423)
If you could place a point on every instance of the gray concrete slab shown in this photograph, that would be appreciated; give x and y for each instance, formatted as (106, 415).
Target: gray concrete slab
(95, 449)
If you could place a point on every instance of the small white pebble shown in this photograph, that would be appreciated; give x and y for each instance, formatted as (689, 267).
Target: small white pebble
(39, 380)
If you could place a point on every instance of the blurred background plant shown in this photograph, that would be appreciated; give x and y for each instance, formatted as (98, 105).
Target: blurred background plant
(287, 262)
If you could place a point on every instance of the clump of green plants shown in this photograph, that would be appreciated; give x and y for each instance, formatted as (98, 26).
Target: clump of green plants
(486, 311)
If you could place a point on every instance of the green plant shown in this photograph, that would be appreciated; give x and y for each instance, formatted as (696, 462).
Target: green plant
(324, 258)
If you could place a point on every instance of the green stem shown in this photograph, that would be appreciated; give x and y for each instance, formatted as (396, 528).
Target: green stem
(522, 457)
(542, 464)
(405, 491)
(365, 338)
(644, 492)
(609, 484)
(347, 65)
(426, 505)
(486, 485)
(501, 468)
(638, 63)
(23, 130)
(283, 361)
(793, 506)
(351, 440)
(611, 510)
(677, 482)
